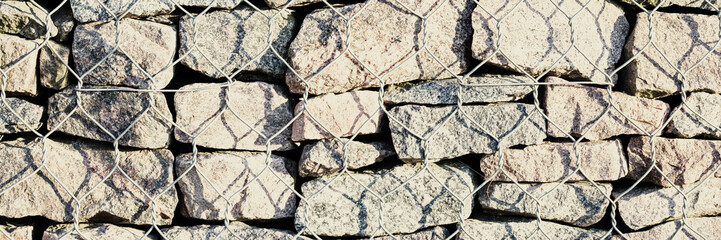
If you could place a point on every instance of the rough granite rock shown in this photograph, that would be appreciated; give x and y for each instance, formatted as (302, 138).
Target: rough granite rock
(16, 232)
(460, 135)
(25, 19)
(21, 55)
(290, 3)
(93, 10)
(687, 124)
(647, 205)
(708, 227)
(151, 45)
(232, 39)
(79, 166)
(384, 45)
(446, 91)
(10, 123)
(345, 208)
(651, 76)
(325, 157)
(651, 4)
(433, 233)
(52, 72)
(254, 192)
(341, 115)
(235, 230)
(225, 4)
(574, 109)
(554, 162)
(580, 204)
(266, 107)
(523, 228)
(537, 34)
(98, 231)
(64, 21)
(115, 111)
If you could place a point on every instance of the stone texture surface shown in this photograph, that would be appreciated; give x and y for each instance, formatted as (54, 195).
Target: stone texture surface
(232, 39)
(575, 109)
(338, 115)
(460, 135)
(647, 205)
(708, 227)
(235, 230)
(294, 3)
(97, 231)
(64, 21)
(266, 107)
(20, 55)
(115, 111)
(554, 162)
(512, 228)
(254, 192)
(381, 43)
(536, 34)
(16, 232)
(93, 10)
(579, 204)
(226, 4)
(651, 76)
(10, 123)
(151, 45)
(433, 233)
(80, 166)
(650, 4)
(52, 72)
(446, 91)
(345, 208)
(25, 19)
(683, 161)
(687, 124)
(325, 157)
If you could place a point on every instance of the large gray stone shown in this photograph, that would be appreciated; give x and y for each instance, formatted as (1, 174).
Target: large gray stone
(21, 55)
(687, 123)
(232, 39)
(346, 208)
(554, 162)
(693, 228)
(98, 231)
(147, 120)
(575, 109)
(52, 71)
(381, 43)
(93, 10)
(513, 228)
(340, 115)
(446, 91)
(326, 157)
(536, 34)
(151, 45)
(79, 166)
(254, 192)
(460, 135)
(225, 4)
(264, 107)
(25, 19)
(29, 112)
(16, 232)
(234, 230)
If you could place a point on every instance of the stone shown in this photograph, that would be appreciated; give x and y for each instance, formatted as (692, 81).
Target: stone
(234, 230)
(64, 21)
(512, 228)
(290, 3)
(381, 45)
(98, 231)
(446, 91)
(346, 208)
(52, 71)
(651, 76)
(143, 118)
(231, 40)
(555, 162)
(534, 35)
(433, 233)
(150, 44)
(580, 204)
(338, 115)
(225, 4)
(16, 232)
(18, 59)
(29, 112)
(648, 205)
(703, 228)
(78, 166)
(325, 157)
(254, 192)
(93, 10)
(467, 132)
(686, 122)
(575, 109)
(266, 107)
(651, 4)
(25, 19)
(683, 161)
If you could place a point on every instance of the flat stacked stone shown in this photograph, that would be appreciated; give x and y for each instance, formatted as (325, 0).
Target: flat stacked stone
(523, 228)
(691, 120)
(446, 91)
(328, 156)
(98, 231)
(97, 10)
(340, 115)
(25, 19)
(16, 232)
(234, 230)
(18, 59)
(693, 228)
(29, 113)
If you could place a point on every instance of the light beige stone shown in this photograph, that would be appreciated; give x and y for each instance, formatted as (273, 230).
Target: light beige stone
(683, 161)
(338, 115)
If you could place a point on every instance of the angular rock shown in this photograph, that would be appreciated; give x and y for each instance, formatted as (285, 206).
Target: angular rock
(225, 4)
(384, 45)
(446, 91)
(98, 231)
(25, 19)
(254, 191)
(534, 35)
(705, 228)
(93, 10)
(115, 111)
(338, 115)
(78, 166)
(554, 162)
(575, 109)
(20, 55)
(649, 205)
(232, 39)
(683, 161)
(512, 228)
(325, 157)
(151, 45)
(16, 232)
(687, 124)
(651, 4)
(434, 233)
(235, 230)
(64, 21)
(462, 134)
(345, 208)
(651, 76)
(52, 71)
(266, 107)
(29, 112)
